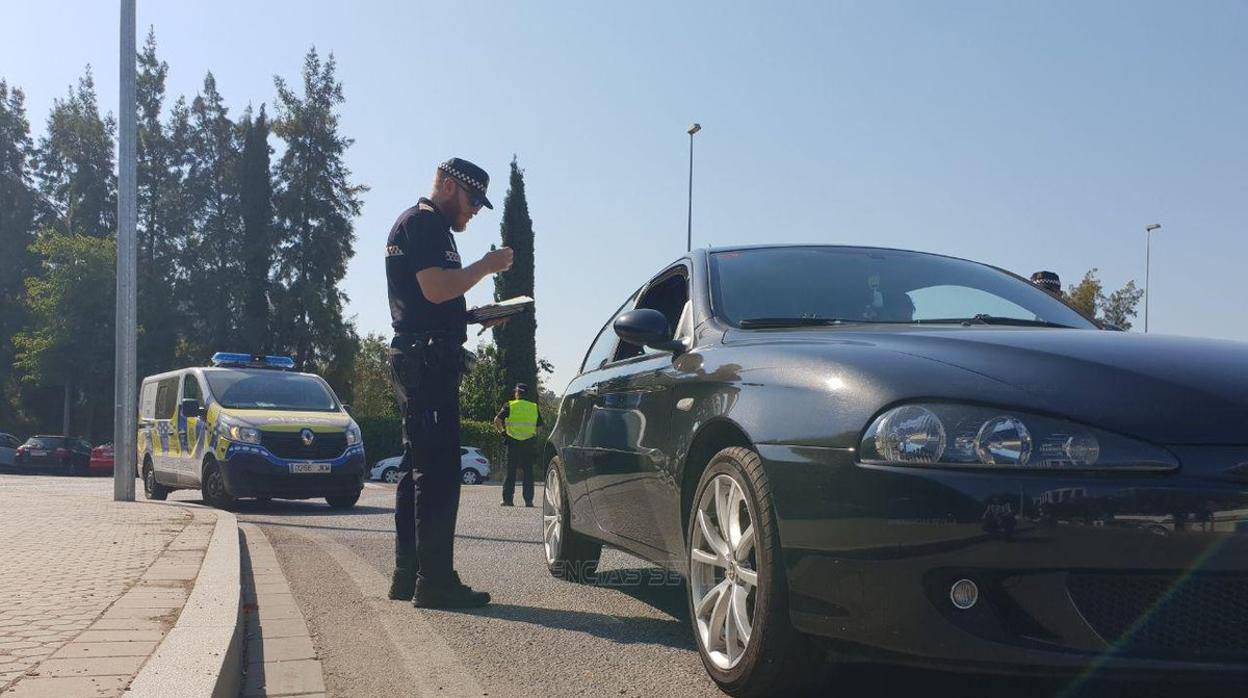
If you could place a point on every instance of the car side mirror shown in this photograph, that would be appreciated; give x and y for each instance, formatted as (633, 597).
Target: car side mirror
(190, 408)
(647, 327)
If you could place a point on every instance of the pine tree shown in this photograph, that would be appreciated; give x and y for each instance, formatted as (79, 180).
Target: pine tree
(215, 277)
(17, 232)
(256, 198)
(158, 182)
(75, 165)
(517, 338)
(315, 204)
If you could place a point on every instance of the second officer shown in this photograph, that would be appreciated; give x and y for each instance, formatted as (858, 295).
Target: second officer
(426, 283)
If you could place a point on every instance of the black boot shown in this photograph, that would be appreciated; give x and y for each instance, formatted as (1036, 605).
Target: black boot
(449, 594)
(403, 583)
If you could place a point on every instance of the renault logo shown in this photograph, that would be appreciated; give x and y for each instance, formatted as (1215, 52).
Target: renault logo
(307, 436)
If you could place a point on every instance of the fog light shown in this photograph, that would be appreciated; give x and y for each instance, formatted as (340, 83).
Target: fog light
(964, 594)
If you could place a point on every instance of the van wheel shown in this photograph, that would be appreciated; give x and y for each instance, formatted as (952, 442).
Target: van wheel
(215, 493)
(151, 489)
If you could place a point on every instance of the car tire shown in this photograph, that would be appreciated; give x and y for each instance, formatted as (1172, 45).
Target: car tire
(570, 556)
(151, 489)
(725, 556)
(470, 477)
(342, 501)
(390, 475)
(213, 487)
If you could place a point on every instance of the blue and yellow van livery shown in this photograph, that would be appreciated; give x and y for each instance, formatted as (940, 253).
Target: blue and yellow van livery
(247, 426)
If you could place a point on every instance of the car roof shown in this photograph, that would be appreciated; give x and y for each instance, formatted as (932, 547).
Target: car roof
(210, 369)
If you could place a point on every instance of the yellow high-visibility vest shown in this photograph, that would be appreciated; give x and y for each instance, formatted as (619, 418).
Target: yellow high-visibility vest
(521, 419)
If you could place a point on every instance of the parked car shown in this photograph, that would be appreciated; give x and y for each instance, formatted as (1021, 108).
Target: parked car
(474, 467)
(69, 454)
(8, 449)
(911, 458)
(102, 459)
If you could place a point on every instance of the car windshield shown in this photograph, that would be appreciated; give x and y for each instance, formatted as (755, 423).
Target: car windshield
(829, 285)
(45, 442)
(270, 390)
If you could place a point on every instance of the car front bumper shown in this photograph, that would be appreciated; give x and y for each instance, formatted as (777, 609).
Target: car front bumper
(1075, 572)
(253, 472)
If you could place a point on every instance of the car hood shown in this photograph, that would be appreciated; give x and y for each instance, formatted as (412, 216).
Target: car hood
(1166, 389)
(276, 420)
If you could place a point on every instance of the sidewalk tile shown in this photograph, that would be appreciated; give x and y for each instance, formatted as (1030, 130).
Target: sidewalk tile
(39, 687)
(93, 666)
(105, 649)
(280, 649)
(277, 678)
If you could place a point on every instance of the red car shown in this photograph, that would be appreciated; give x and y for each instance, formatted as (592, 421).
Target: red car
(101, 459)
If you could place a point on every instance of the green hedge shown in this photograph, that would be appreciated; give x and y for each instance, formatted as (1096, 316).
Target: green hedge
(383, 437)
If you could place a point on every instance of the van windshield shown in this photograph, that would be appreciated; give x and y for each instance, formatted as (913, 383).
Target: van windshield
(270, 390)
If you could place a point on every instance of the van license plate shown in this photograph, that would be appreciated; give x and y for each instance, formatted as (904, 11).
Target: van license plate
(309, 467)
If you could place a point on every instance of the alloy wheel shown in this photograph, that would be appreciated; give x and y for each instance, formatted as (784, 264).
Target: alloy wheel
(723, 577)
(390, 475)
(552, 515)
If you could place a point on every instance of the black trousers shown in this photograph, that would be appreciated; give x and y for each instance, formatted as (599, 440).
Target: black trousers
(519, 454)
(426, 503)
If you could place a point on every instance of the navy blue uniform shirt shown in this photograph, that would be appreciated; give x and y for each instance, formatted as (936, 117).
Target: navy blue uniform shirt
(420, 239)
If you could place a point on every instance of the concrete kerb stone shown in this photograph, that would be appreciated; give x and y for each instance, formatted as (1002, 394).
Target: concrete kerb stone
(202, 655)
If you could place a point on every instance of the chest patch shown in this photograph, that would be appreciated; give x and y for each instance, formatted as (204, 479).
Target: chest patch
(452, 256)
(393, 251)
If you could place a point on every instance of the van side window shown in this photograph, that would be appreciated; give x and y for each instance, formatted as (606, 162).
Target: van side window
(166, 398)
(190, 389)
(147, 402)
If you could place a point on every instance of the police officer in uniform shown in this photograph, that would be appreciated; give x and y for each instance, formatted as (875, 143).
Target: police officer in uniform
(426, 282)
(519, 420)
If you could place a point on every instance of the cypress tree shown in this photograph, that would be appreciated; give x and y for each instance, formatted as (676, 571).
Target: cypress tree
(75, 163)
(517, 338)
(256, 192)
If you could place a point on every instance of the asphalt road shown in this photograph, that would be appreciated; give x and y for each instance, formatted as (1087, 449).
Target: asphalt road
(627, 635)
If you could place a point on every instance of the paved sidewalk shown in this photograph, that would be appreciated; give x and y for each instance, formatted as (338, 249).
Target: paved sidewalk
(88, 586)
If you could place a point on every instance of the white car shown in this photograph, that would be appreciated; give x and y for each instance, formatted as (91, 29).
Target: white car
(474, 467)
(8, 449)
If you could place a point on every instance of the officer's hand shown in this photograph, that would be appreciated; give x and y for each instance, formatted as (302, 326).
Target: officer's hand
(498, 260)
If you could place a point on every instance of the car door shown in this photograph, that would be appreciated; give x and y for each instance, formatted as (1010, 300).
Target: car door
(575, 412)
(628, 445)
(164, 441)
(190, 431)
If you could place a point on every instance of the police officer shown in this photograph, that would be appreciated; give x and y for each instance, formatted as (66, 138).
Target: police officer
(426, 282)
(1048, 281)
(519, 420)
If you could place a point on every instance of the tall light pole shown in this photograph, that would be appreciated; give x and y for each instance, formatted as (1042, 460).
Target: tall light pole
(689, 237)
(1148, 253)
(124, 400)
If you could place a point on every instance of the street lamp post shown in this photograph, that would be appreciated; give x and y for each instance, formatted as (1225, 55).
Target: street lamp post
(1148, 253)
(124, 399)
(689, 233)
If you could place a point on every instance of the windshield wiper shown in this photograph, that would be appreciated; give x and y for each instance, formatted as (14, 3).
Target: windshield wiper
(762, 322)
(985, 319)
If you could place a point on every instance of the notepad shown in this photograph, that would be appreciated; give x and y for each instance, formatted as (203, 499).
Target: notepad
(501, 309)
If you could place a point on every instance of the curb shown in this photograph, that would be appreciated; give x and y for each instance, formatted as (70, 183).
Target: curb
(202, 655)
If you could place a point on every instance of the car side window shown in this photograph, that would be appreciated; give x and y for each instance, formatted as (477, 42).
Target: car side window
(669, 294)
(603, 347)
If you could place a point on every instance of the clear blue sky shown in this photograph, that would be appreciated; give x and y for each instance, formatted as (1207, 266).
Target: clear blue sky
(1024, 134)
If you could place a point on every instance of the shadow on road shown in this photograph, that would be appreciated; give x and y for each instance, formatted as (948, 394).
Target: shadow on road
(658, 588)
(624, 630)
(300, 507)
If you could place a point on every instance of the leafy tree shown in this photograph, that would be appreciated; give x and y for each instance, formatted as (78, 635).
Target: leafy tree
(315, 203)
(372, 392)
(69, 340)
(1119, 307)
(517, 339)
(17, 215)
(75, 165)
(482, 391)
(256, 199)
(1084, 295)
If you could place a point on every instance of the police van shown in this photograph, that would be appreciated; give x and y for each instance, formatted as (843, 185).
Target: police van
(248, 426)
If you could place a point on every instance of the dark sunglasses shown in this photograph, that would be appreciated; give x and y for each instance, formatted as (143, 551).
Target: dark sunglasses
(476, 200)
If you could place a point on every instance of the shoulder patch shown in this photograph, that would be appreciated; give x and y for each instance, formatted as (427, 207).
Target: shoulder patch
(422, 206)
(394, 251)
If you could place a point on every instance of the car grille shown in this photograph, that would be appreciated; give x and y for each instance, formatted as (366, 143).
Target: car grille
(1166, 616)
(290, 445)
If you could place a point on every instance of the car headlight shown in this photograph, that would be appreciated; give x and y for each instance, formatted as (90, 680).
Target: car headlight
(970, 436)
(353, 435)
(242, 434)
